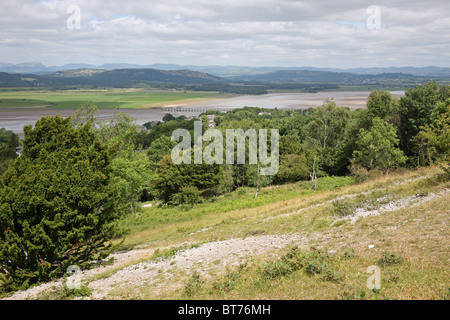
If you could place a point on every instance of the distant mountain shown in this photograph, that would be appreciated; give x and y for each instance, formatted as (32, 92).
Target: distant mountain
(314, 76)
(28, 67)
(221, 71)
(74, 66)
(259, 79)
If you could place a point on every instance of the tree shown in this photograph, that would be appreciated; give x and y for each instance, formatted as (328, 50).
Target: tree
(175, 178)
(8, 142)
(158, 149)
(168, 117)
(292, 168)
(435, 137)
(415, 109)
(132, 174)
(376, 148)
(58, 203)
(326, 135)
(381, 104)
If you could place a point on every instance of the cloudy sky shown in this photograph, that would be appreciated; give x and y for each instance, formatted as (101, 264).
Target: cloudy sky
(317, 33)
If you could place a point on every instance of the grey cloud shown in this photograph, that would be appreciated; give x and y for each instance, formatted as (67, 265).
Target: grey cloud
(264, 32)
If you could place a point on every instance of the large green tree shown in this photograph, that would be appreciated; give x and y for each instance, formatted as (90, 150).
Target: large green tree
(58, 203)
(435, 137)
(8, 142)
(326, 136)
(381, 104)
(377, 147)
(416, 109)
(175, 178)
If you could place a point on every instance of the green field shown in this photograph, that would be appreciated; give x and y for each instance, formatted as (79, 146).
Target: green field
(103, 99)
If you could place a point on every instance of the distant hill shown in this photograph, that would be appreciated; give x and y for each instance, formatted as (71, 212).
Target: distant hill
(257, 80)
(16, 80)
(131, 76)
(332, 77)
(221, 71)
(119, 77)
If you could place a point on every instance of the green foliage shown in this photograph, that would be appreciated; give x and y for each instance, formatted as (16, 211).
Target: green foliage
(190, 180)
(228, 282)
(381, 104)
(187, 195)
(377, 148)
(158, 149)
(194, 284)
(326, 135)
(312, 262)
(328, 183)
(292, 168)
(342, 208)
(416, 109)
(390, 258)
(132, 174)
(58, 203)
(276, 269)
(435, 137)
(8, 142)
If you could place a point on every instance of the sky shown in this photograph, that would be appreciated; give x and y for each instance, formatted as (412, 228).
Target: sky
(276, 33)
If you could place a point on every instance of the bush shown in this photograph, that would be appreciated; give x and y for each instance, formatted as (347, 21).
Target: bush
(390, 258)
(188, 195)
(58, 204)
(276, 269)
(194, 284)
(342, 208)
(328, 183)
(360, 173)
(313, 262)
(228, 283)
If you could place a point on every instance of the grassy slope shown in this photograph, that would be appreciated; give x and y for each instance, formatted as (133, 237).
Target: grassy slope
(419, 234)
(333, 255)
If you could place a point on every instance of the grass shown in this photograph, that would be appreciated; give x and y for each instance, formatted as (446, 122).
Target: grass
(103, 99)
(238, 214)
(239, 207)
(409, 245)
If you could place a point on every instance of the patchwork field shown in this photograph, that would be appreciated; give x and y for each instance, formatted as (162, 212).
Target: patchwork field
(103, 99)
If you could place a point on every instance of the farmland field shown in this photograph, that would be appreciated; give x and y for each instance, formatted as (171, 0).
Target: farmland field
(103, 99)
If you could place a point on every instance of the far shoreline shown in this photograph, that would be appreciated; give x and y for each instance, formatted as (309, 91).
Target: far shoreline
(16, 118)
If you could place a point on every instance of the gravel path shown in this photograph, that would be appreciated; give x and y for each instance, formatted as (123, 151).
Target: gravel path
(223, 253)
(130, 272)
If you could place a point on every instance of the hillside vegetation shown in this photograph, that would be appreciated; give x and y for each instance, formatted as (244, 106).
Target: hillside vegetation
(297, 243)
(340, 176)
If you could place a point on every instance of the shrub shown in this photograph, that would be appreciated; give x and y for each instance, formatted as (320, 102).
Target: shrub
(390, 258)
(360, 173)
(276, 269)
(228, 283)
(313, 262)
(194, 284)
(342, 208)
(187, 195)
(58, 203)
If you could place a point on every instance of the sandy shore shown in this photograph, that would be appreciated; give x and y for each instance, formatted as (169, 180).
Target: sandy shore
(15, 119)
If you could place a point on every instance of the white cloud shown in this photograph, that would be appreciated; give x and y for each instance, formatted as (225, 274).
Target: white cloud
(242, 32)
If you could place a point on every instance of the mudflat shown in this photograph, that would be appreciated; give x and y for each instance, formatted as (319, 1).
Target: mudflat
(16, 119)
